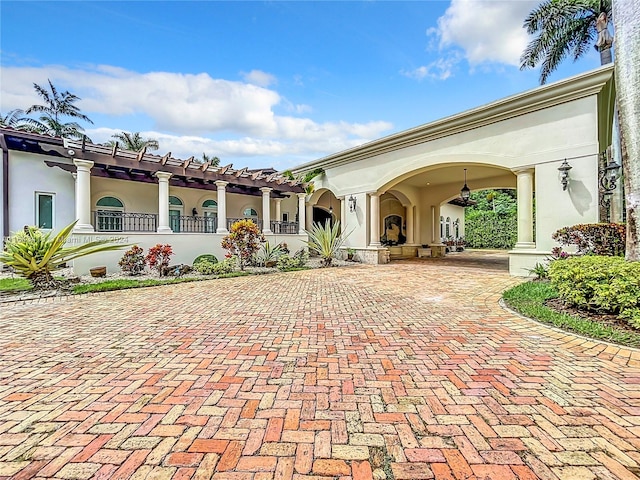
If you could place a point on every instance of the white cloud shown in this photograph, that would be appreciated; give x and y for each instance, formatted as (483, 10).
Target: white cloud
(186, 108)
(440, 69)
(487, 31)
(260, 78)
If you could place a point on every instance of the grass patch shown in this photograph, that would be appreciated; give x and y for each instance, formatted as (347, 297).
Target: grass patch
(528, 299)
(14, 284)
(126, 283)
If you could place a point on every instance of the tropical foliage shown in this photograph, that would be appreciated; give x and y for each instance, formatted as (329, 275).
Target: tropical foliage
(491, 221)
(16, 119)
(158, 257)
(594, 238)
(600, 284)
(57, 105)
(133, 261)
(34, 254)
(326, 240)
(294, 262)
(213, 160)
(243, 241)
(133, 141)
(562, 28)
(305, 178)
(268, 253)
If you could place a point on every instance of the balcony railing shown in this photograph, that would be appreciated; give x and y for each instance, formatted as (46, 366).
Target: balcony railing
(284, 227)
(110, 221)
(193, 224)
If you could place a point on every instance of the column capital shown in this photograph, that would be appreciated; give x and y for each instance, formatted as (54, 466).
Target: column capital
(266, 190)
(277, 200)
(523, 170)
(374, 193)
(301, 195)
(163, 175)
(83, 165)
(221, 183)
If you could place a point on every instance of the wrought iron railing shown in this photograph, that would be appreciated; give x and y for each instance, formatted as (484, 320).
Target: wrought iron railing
(284, 227)
(112, 221)
(193, 224)
(231, 221)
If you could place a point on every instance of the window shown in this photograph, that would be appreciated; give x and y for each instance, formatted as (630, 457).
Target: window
(447, 227)
(250, 212)
(109, 214)
(44, 210)
(175, 212)
(441, 228)
(285, 217)
(175, 201)
(210, 214)
(457, 227)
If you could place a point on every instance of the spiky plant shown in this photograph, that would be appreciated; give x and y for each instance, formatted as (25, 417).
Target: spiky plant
(563, 28)
(34, 255)
(134, 141)
(325, 240)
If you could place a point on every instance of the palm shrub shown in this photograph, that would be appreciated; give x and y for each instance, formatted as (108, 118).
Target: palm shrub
(325, 240)
(243, 241)
(34, 254)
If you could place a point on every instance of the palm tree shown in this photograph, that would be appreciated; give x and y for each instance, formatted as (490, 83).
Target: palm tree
(306, 178)
(15, 119)
(58, 105)
(213, 161)
(627, 32)
(134, 141)
(563, 28)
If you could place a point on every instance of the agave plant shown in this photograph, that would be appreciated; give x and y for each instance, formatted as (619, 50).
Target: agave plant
(325, 240)
(33, 254)
(268, 253)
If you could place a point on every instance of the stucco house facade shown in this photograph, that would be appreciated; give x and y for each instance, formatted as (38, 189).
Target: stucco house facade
(518, 142)
(139, 198)
(394, 196)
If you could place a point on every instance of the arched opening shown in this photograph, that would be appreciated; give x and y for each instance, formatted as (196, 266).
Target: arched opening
(176, 209)
(109, 214)
(326, 208)
(210, 214)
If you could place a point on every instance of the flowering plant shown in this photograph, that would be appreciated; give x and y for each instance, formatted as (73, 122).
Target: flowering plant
(133, 262)
(158, 257)
(244, 240)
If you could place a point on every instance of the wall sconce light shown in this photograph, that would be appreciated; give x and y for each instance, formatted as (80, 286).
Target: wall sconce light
(564, 174)
(465, 193)
(194, 212)
(609, 176)
(352, 203)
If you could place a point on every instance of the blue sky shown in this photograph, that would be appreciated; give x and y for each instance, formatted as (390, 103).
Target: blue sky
(263, 84)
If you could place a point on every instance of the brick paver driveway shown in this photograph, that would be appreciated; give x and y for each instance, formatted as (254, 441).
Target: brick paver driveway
(410, 370)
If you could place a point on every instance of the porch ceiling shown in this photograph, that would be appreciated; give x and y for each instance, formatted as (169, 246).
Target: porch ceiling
(454, 174)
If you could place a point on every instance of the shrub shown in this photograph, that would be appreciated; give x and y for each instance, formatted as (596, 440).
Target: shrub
(325, 240)
(207, 256)
(594, 238)
(133, 262)
(34, 254)
(267, 253)
(298, 260)
(159, 257)
(488, 229)
(243, 241)
(228, 265)
(601, 284)
(205, 267)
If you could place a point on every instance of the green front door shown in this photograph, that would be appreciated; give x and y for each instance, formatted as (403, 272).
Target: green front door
(174, 220)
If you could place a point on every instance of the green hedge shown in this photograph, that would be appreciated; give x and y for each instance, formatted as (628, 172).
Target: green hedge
(487, 229)
(599, 283)
(594, 238)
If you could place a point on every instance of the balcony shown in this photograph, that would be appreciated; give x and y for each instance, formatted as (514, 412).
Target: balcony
(284, 227)
(193, 224)
(113, 221)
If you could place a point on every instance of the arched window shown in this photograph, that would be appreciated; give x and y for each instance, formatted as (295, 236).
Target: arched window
(109, 213)
(176, 207)
(447, 227)
(250, 213)
(441, 228)
(456, 224)
(210, 214)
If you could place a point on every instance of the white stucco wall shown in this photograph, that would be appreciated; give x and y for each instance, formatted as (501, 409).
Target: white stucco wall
(27, 175)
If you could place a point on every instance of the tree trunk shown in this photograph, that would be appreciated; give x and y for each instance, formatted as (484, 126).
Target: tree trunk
(626, 17)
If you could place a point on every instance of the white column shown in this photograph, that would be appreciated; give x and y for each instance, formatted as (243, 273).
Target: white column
(309, 216)
(278, 215)
(163, 202)
(409, 223)
(343, 212)
(83, 195)
(222, 206)
(525, 208)
(435, 225)
(266, 210)
(374, 220)
(302, 213)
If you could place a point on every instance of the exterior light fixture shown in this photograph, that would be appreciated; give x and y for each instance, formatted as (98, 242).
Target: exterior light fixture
(465, 193)
(564, 174)
(194, 212)
(352, 203)
(609, 176)
(330, 206)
